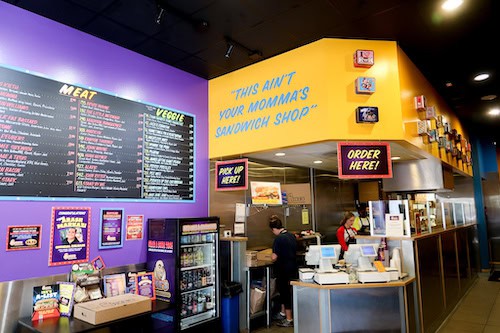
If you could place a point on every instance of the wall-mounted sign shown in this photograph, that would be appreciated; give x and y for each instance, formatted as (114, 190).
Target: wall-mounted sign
(364, 160)
(69, 236)
(420, 103)
(61, 140)
(367, 114)
(364, 58)
(111, 229)
(23, 237)
(297, 194)
(266, 193)
(231, 175)
(365, 85)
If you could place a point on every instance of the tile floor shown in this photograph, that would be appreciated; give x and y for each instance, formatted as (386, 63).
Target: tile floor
(478, 311)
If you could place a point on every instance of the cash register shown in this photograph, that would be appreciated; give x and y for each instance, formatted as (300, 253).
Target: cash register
(325, 256)
(363, 256)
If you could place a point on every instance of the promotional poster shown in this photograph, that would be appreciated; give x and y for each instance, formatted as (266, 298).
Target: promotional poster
(69, 236)
(23, 237)
(111, 229)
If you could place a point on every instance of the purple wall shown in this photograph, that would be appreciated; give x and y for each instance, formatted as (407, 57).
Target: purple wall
(34, 43)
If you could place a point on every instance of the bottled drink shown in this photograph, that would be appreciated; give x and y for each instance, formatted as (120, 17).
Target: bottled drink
(189, 305)
(204, 277)
(195, 303)
(201, 302)
(184, 307)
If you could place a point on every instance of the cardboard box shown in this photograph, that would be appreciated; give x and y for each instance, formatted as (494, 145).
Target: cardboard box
(265, 255)
(251, 258)
(111, 308)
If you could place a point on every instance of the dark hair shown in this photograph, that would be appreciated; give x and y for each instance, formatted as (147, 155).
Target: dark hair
(347, 216)
(275, 222)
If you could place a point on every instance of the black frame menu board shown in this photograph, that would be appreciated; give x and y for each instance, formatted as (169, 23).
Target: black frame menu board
(66, 141)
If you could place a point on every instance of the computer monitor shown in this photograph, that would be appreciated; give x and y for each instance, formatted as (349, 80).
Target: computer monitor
(361, 255)
(324, 256)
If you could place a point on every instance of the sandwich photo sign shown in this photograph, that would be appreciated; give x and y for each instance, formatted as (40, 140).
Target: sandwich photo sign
(266, 193)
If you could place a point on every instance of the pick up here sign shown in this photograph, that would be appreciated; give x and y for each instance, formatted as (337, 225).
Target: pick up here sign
(231, 175)
(364, 160)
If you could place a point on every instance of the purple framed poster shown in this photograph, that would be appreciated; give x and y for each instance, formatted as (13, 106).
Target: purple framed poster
(69, 236)
(111, 228)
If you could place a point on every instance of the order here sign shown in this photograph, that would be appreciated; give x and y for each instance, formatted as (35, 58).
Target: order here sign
(364, 160)
(231, 175)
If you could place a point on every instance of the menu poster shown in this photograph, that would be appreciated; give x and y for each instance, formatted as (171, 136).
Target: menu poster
(266, 193)
(66, 141)
(69, 236)
(66, 298)
(135, 227)
(111, 229)
(23, 237)
(145, 285)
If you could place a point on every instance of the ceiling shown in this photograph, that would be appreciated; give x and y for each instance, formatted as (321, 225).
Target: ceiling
(193, 36)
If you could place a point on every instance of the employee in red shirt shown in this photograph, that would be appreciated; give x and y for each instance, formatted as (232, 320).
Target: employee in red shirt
(346, 234)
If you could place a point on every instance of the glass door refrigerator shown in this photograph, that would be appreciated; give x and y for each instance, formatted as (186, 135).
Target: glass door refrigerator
(183, 254)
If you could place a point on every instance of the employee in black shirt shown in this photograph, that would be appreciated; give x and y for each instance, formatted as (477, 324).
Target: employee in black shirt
(285, 263)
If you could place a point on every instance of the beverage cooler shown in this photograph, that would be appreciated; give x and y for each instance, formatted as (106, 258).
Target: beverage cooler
(183, 253)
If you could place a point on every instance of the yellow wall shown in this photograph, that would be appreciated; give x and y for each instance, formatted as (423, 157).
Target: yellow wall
(322, 74)
(319, 80)
(413, 83)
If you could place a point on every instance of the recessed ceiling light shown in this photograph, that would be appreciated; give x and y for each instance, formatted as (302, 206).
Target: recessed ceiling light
(481, 77)
(448, 84)
(317, 162)
(494, 112)
(395, 158)
(488, 97)
(279, 154)
(450, 5)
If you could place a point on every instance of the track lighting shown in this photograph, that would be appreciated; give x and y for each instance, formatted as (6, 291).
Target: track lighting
(252, 54)
(161, 14)
(230, 47)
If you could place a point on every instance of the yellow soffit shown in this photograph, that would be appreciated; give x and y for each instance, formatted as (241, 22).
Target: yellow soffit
(304, 96)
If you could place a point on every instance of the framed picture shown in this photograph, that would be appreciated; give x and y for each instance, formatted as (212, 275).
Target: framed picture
(98, 263)
(111, 228)
(114, 284)
(145, 285)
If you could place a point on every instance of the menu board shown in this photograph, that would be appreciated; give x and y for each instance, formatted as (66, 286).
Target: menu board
(66, 141)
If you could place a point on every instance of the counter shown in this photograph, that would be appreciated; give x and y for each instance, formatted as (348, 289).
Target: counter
(388, 307)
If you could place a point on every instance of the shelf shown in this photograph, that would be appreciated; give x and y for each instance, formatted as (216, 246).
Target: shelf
(197, 244)
(197, 289)
(195, 267)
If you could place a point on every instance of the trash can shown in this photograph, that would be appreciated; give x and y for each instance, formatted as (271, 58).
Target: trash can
(231, 307)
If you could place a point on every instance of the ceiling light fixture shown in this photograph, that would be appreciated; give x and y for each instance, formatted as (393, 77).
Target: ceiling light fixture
(394, 158)
(494, 112)
(230, 47)
(451, 5)
(161, 14)
(279, 154)
(481, 77)
(489, 97)
(252, 54)
(317, 162)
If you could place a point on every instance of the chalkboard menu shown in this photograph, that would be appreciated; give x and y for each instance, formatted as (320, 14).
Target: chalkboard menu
(66, 141)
